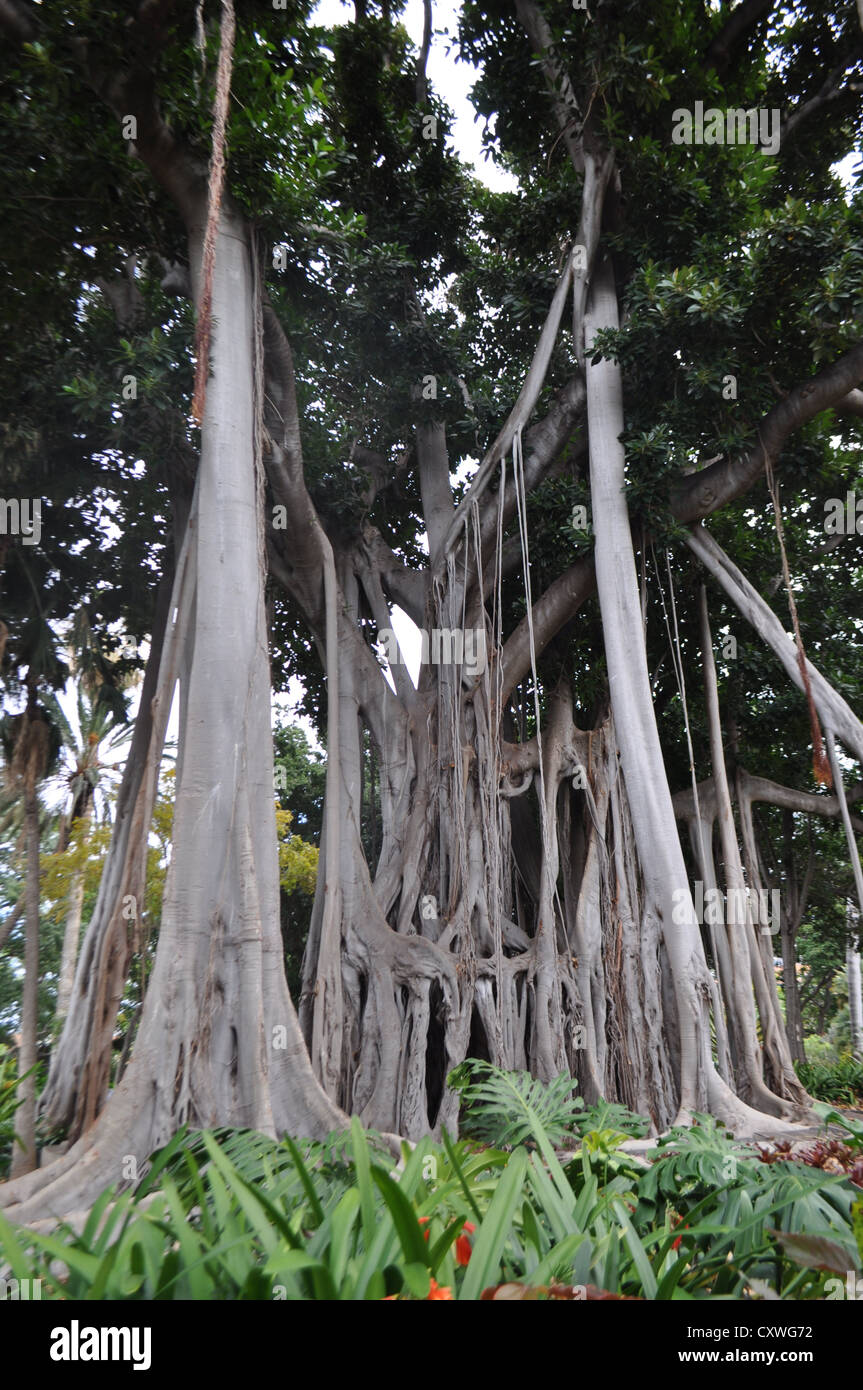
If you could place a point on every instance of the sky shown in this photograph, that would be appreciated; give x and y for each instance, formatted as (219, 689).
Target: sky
(451, 79)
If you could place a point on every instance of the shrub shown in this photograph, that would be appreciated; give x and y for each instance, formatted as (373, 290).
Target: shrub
(235, 1215)
(840, 1082)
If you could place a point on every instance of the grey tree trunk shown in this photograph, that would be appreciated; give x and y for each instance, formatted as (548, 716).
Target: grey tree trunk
(791, 991)
(855, 993)
(219, 1041)
(660, 854)
(744, 950)
(791, 915)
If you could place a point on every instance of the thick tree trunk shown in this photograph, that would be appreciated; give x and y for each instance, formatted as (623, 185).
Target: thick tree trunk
(219, 1042)
(660, 855)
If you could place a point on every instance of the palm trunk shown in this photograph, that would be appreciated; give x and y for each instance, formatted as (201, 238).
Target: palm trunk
(71, 935)
(24, 1150)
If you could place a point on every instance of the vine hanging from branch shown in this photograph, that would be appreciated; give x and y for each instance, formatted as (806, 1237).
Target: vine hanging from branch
(820, 765)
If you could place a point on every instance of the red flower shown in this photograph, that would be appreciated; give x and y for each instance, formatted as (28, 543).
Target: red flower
(423, 1220)
(463, 1246)
(438, 1293)
(676, 1243)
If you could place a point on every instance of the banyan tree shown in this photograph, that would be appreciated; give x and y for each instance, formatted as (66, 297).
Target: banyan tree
(573, 430)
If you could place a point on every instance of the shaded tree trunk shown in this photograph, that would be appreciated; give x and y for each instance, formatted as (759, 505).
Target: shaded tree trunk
(791, 915)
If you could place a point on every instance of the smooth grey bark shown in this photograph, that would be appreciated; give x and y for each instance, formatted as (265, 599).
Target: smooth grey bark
(701, 841)
(791, 916)
(219, 1042)
(832, 708)
(852, 951)
(855, 994)
(839, 785)
(744, 950)
(660, 854)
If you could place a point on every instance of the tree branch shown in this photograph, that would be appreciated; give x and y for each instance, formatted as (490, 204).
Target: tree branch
(17, 21)
(762, 790)
(698, 494)
(422, 60)
(406, 587)
(832, 708)
(830, 89)
(564, 101)
(557, 605)
(738, 24)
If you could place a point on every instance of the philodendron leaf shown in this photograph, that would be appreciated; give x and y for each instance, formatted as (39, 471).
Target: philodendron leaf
(813, 1252)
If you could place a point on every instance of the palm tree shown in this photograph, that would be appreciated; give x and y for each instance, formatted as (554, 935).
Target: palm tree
(102, 728)
(30, 745)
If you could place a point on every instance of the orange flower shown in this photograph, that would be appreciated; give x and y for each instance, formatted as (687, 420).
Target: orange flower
(423, 1221)
(438, 1293)
(463, 1246)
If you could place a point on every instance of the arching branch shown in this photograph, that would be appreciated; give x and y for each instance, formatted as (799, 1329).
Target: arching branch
(830, 705)
(698, 494)
(734, 30)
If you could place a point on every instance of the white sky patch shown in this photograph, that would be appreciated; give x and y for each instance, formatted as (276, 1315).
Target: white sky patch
(450, 79)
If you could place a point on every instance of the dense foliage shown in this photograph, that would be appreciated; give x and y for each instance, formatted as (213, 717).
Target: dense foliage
(233, 1215)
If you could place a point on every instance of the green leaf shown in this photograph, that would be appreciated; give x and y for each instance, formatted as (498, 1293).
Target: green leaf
(404, 1218)
(492, 1233)
(364, 1182)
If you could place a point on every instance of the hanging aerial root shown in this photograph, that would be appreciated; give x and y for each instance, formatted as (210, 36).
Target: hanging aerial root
(820, 765)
